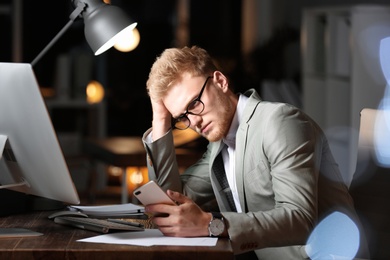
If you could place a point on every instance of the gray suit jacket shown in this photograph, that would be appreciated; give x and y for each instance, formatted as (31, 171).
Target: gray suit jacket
(286, 177)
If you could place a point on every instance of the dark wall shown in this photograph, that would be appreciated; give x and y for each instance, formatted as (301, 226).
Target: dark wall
(216, 26)
(129, 109)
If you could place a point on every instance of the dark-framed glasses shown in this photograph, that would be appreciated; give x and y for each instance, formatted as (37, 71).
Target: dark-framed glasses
(195, 107)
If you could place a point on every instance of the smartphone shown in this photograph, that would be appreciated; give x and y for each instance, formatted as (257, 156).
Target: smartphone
(151, 193)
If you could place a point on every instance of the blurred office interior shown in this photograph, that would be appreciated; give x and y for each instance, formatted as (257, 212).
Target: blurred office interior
(260, 44)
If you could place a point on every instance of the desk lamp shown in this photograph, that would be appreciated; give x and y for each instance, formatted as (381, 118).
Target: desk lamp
(103, 25)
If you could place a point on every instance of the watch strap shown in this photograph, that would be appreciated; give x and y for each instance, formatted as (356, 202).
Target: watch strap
(217, 215)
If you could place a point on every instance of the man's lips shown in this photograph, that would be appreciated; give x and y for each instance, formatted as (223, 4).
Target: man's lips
(205, 128)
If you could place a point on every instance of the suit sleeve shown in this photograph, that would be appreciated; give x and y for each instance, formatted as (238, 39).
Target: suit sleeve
(194, 182)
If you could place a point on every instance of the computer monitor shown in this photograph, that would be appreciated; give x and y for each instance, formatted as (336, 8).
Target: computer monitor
(31, 159)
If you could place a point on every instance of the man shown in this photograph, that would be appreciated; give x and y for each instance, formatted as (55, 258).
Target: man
(282, 178)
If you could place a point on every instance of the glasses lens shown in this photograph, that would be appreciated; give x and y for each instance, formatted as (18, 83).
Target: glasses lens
(182, 123)
(196, 107)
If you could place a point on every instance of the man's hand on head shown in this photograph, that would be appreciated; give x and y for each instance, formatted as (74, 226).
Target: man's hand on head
(161, 119)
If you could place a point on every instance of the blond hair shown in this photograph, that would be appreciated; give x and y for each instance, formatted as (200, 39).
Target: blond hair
(172, 64)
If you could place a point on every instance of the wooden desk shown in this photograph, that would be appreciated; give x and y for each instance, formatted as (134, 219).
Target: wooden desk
(59, 242)
(129, 151)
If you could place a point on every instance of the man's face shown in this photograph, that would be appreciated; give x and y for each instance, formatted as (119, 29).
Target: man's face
(214, 121)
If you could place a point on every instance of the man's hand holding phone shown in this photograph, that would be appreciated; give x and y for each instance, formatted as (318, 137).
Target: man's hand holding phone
(151, 193)
(182, 217)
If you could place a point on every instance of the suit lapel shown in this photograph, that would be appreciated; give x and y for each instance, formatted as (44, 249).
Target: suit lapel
(241, 144)
(241, 141)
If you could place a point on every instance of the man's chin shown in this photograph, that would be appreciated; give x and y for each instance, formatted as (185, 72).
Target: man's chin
(213, 137)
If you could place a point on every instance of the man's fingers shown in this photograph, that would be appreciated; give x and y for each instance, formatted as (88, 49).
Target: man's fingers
(177, 196)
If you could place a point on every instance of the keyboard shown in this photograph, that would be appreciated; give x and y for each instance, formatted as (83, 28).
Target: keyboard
(99, 225)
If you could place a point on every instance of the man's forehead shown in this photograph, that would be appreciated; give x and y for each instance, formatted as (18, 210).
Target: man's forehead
(182, 93)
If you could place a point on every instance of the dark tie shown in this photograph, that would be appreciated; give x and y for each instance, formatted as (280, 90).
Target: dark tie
(220, 174)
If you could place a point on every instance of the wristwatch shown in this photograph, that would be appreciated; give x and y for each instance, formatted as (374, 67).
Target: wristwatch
(216, 225)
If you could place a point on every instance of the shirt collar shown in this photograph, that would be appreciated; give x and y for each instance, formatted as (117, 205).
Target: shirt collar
(230, 139)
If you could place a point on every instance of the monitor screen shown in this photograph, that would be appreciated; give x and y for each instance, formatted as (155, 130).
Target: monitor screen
(31, 159)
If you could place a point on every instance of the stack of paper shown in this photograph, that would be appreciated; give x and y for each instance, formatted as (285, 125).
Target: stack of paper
(117, 210)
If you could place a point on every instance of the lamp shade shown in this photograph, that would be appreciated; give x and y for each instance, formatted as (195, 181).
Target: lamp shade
(103, 24)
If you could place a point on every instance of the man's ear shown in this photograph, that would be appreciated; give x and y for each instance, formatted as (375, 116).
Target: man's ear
(221, 80)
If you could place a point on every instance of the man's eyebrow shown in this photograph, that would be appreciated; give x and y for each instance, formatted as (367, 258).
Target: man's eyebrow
(179, 115)
(184, 111)
(175, 117)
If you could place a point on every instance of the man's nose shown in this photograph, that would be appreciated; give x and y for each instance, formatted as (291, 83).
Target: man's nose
(194, 119)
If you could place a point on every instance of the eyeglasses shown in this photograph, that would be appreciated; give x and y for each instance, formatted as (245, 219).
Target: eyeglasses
(195, 107)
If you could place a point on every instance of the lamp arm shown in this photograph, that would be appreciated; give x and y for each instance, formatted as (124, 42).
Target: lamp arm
(79, 9)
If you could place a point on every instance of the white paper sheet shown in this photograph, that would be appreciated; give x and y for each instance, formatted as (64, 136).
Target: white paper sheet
(150, 237)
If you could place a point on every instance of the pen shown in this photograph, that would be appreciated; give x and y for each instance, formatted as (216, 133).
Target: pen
(134, 224)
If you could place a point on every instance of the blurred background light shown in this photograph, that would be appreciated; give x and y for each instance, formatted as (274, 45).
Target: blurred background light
(335, 237)
(95, 92)
(384, 57)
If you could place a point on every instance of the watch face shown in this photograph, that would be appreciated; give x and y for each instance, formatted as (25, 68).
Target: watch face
(216, 227)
